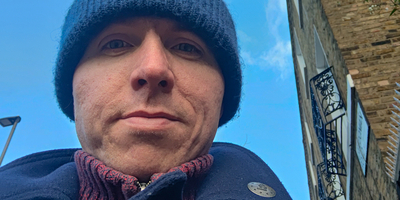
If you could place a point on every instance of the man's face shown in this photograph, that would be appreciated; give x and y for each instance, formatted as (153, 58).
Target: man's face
(147, 96)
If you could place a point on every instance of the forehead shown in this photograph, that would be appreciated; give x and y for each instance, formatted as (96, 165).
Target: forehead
(144, 23)
(155, 21)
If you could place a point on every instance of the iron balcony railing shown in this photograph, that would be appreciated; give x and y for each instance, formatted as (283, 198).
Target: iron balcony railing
(392, 161)
(329, 186)
(328, 111)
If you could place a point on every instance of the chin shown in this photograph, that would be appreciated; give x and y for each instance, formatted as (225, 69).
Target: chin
(142, 159)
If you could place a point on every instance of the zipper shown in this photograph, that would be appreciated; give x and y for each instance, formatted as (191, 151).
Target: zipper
(142, 185)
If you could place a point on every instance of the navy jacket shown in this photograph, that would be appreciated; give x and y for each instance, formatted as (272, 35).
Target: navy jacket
(53, 175)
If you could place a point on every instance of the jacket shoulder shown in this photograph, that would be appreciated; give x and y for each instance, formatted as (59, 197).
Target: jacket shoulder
(233, 169)
(47, 175)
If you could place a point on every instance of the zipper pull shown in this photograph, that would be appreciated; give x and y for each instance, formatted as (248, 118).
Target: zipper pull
(144, 185)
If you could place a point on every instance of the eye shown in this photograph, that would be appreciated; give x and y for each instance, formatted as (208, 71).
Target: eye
(116, 44)
(188, 49)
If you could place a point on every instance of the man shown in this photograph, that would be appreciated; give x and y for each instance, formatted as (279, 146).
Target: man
(147, 83)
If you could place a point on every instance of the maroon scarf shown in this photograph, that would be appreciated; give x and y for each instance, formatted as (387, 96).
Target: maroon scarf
(98, 181)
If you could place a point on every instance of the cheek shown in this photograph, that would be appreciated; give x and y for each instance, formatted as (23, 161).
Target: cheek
(90, 98)
(80, 88)
(203, 87)
(93, 88)
(84, 94)
(211, 89)
(82, 98)
(210, 96)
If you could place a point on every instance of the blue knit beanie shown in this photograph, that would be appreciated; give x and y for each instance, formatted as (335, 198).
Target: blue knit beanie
(209, 19)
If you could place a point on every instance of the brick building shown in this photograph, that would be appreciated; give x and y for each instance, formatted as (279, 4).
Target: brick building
(346, 57)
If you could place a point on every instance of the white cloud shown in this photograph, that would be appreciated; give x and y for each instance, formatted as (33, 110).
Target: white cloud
(282, 6)
(243, 37)
(247, 58)
(277, 57)
(275, 13)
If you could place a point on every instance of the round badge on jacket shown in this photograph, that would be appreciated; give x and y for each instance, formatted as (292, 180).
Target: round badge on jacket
(261, 189)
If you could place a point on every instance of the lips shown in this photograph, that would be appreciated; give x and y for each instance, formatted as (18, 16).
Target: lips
(153, 122)
(156, 115)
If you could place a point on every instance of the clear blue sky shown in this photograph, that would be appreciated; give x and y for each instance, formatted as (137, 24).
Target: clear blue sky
(268, 122)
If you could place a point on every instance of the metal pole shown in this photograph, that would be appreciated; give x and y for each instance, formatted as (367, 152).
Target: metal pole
(8, 141)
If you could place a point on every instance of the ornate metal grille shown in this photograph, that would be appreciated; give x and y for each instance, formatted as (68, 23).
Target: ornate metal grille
(327, 105)
(329, 186)
(393, 160)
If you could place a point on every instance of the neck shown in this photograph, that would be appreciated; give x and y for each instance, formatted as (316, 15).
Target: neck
(98, 180)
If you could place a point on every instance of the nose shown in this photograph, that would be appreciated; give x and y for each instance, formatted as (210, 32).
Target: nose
(152, 68)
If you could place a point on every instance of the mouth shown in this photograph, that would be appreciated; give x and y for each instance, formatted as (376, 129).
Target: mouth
(142, 120)
(156, 115)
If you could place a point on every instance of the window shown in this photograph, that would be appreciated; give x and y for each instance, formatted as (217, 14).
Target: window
(321, 63)
(300, 59)
(320, 57)
(313, 178)
(307, 83)
(312, 153)
(315, 192)
(310, 144)
(299, 9)
(305, 13)
(297, 4)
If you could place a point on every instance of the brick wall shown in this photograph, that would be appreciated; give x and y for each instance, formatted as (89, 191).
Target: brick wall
(366, 45)
(370, 45)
